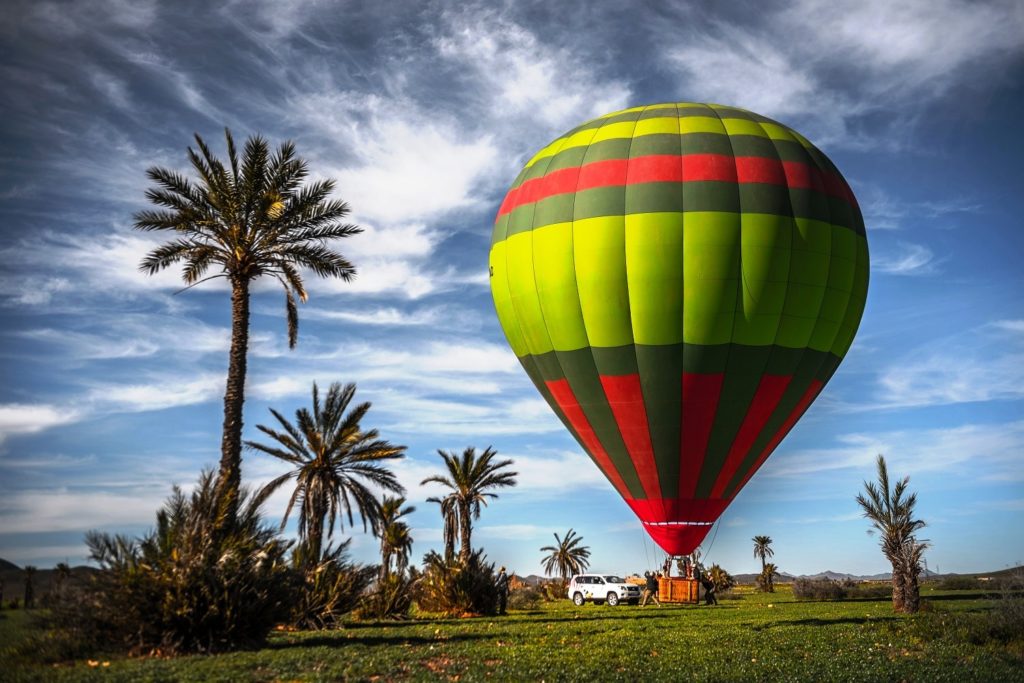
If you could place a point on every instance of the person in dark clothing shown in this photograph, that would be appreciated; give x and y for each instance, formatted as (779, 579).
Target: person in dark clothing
(709, 590)
(650, 589)
(501, 584)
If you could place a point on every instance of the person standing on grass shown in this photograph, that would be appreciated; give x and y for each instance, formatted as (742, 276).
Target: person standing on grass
(709, 590)
(650, 589)
(501, 584)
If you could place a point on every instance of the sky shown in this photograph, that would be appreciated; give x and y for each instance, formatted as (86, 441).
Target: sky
(424, 113)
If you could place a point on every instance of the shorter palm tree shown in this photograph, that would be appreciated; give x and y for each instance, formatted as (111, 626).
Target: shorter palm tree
(469, 477)
(891, 513)
(766, 580)
(395, 536)
(335, 464)
(567, 556)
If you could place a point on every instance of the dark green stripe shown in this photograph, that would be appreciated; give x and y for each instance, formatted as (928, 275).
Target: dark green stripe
(802, 374)
(661, 372)
(742, 377)
(581, 371)
(696, 358)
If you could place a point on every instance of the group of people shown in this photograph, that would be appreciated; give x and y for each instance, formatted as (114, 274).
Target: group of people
(692, 571)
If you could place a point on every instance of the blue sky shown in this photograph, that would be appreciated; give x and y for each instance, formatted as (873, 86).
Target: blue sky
(424, 113)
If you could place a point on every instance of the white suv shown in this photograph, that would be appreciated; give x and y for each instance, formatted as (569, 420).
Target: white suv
(600, 587)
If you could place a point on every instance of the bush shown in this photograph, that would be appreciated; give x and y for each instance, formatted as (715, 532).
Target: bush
(820, 589)
(554, 591)
(958, 583)
(196, 583)
(528, 597)
(391, 598)
(332, 588)
(454, 590)
(722, 579)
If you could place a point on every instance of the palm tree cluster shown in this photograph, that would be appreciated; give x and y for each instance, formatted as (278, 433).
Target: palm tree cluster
(891, 513)
(180, 588)
(470, 478)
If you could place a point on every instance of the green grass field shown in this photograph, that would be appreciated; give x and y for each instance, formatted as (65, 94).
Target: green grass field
(753, 638)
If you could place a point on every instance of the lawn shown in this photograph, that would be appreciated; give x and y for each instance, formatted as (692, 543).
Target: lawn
(755, 637)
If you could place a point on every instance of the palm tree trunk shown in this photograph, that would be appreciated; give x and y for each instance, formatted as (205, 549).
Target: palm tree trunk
(314, 540)
(466, 529)
(229, 477)
(898, 589)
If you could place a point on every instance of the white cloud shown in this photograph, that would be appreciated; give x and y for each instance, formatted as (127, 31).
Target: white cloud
(407, 164)
(909, 259)
(48, 510)
(849, 61)
(21, 418)
(160, 394)
(378, 316)
(980, 451)
(884, 211)
(519, 75)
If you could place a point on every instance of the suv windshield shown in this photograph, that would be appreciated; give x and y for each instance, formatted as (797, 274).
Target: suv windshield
(611, 578)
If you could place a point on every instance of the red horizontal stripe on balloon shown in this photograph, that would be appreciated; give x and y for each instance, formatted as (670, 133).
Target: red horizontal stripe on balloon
(678, 509)
(760, 170)
(626, 400)
(795, 415)
(766, 399)
(700, 401)
(566, 400)
(662, 168)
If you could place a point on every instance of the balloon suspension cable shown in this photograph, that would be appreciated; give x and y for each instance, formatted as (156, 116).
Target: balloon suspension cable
(714, 535)
(647, 555)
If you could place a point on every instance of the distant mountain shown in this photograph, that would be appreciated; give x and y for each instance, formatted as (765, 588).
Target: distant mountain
(783, 577)
(6, 566)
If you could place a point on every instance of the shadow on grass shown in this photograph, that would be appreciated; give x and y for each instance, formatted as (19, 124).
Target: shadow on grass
(372, 641)
(824, 622)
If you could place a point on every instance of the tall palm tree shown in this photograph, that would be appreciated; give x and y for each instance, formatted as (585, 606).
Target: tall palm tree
(469, 477)
(249, 219)
(762, 549)
(567, 556)
(891, 513)
(395, 539)
(334, 462)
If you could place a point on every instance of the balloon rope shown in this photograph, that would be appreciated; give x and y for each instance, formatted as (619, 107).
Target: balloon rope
(713, 537)
(643, 536)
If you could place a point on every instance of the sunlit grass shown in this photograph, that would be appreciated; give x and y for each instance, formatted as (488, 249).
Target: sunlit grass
(756, 637)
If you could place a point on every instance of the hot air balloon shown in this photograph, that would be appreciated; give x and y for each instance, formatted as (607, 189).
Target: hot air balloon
(679, 281)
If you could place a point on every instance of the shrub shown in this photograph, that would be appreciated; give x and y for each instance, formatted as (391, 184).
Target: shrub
(528, 597)
(456, 590)
(391, 597)
(722, 579)
(958, 583)
(332, 588)
(820, 589)
(554, 591)
(196, 583)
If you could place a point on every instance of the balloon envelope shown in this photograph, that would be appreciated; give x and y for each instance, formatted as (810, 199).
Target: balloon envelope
(679, 281)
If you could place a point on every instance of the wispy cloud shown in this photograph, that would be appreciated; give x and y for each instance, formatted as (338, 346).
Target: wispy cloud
(20, 418)
(908, 259)
(518, 75)
(874, 59)
(979, 451)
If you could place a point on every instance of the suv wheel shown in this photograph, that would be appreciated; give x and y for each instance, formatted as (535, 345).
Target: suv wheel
(577, 599)
(613, 599)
